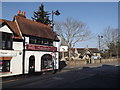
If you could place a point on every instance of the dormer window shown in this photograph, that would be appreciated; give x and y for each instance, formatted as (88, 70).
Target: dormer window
(6, 41)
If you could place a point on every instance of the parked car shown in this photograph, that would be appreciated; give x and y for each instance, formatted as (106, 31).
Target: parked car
(96, 57)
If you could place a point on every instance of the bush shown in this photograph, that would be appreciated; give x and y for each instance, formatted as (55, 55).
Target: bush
(87, 60)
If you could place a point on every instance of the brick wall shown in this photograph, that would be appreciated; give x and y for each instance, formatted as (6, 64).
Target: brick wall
(83, 62)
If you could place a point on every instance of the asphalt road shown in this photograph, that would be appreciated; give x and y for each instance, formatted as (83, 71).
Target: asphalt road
(89, 76)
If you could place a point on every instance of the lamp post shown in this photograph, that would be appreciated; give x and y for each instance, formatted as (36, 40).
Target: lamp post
(56, 13)
(99, 37)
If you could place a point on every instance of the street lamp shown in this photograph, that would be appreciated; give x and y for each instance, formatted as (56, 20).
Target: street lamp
(56, 13)
(99, 37)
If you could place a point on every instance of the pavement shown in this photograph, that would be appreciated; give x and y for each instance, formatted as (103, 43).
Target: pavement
(68, 68)
(91, 65)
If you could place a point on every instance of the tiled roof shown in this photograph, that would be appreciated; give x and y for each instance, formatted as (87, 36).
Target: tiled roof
(22, 26)
(33, 28)
(63, 43)
(93, 50)
(82, 50)
(13, 27)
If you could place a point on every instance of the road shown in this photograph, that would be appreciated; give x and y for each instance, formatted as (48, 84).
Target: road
(90, 76)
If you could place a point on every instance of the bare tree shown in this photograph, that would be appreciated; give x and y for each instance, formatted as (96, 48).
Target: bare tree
(110, 40)
(109, 35)
(73, 31)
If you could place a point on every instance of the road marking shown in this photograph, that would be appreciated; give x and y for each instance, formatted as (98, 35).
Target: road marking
(64, 71)
(57, 78)
(9, 81)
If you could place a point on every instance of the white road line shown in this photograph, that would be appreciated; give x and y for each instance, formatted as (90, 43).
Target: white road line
(10, 81)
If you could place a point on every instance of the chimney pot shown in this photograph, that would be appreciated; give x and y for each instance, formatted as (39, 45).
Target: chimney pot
(24, 13)
(20, 13)
(49, 25)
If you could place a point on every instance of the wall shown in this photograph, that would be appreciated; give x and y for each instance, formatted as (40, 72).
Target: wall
(5, 29)
(0, 40)
(38, 55)
(63, 48)
(16, 61)
(83, 62)
(76, 62)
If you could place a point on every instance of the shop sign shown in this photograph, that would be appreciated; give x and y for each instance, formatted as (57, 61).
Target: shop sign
(7, 53)
(40, 47)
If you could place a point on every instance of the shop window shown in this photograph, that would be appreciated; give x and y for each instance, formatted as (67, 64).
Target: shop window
(7, 41)
(4, 65)
(46, 61)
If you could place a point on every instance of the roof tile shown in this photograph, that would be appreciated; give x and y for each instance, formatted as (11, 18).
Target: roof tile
(33, 28)
(13, 26)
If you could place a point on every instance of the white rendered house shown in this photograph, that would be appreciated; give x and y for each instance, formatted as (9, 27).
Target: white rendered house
(26, 47)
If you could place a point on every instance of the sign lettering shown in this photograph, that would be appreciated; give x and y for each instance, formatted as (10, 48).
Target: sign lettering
(40, 47)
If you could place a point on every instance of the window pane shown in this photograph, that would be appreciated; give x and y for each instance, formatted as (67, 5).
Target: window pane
(45, 42)
(0, 66)
(3, 44)
(33, 40)
(38, 41)
(9, 44)
(6, 41)
(50, 43)
(6, 66)
(3, 36)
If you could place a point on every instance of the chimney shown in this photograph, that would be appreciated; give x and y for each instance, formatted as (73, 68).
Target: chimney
(22, 14)
(49, 25)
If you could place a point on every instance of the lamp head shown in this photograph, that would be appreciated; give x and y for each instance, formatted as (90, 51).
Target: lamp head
(57, 12)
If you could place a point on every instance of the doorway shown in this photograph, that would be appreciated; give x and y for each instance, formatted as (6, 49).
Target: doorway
(31, 64)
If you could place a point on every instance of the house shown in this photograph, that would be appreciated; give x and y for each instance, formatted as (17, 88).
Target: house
(77, 53)
(63, 50)
(82, 53)
(27, 46)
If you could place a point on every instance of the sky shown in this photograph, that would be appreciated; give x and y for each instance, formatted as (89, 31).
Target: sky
(97, 15)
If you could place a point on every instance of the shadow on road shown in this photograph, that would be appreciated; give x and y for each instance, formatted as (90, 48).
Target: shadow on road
(105, 76)
(62, 64)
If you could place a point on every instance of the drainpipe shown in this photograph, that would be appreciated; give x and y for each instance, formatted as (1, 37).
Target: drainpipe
(23, 63)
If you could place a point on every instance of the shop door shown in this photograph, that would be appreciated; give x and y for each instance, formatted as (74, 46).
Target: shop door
(31, 64)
